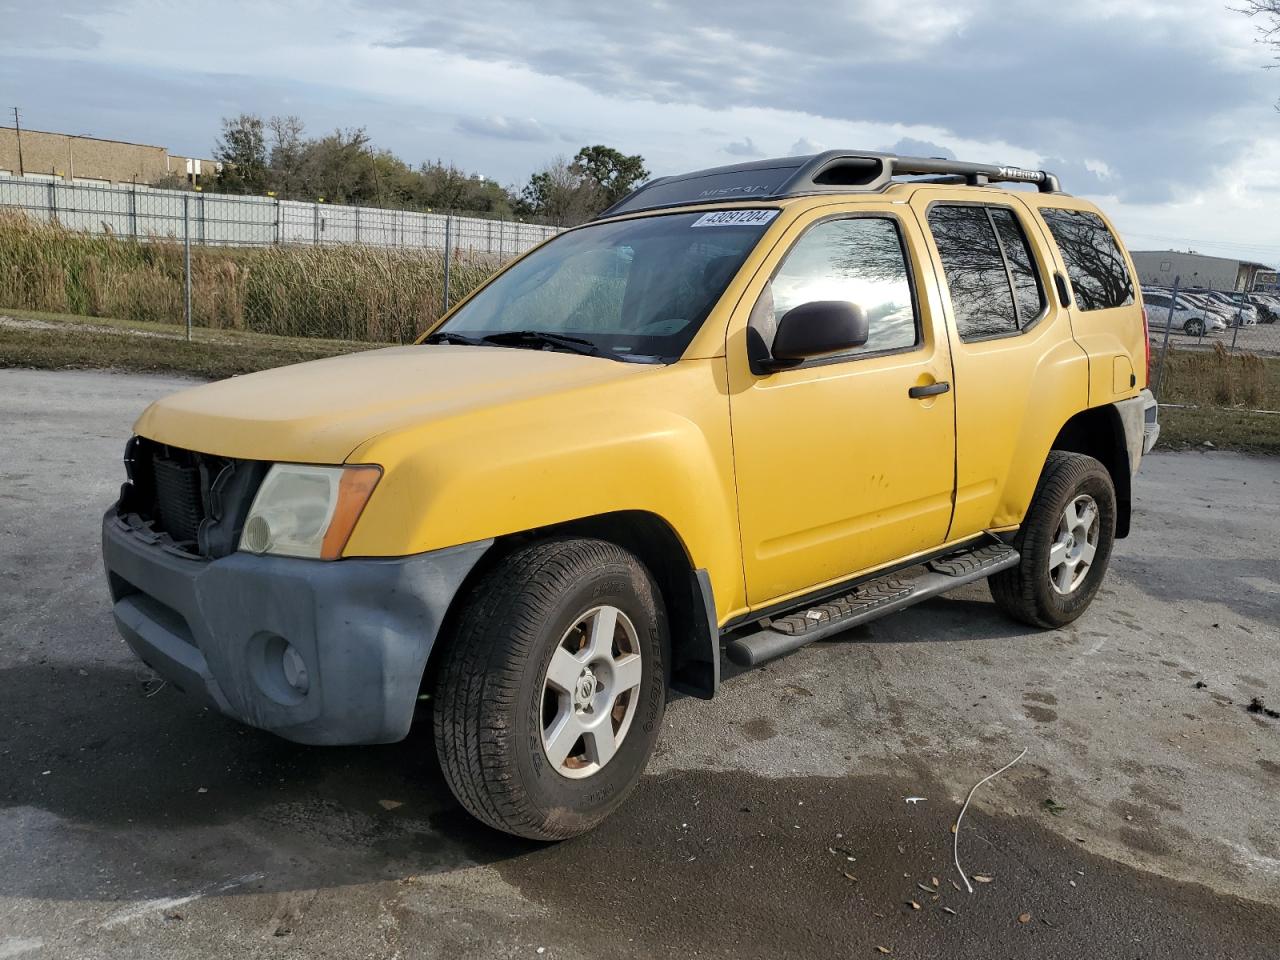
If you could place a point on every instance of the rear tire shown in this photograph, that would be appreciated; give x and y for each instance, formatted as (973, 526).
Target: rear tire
(550, 695)
(1065, 544)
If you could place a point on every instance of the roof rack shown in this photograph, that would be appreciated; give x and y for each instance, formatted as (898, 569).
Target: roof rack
(834, 171)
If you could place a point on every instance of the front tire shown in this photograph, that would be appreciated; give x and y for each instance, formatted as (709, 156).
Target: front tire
(550, 695)
(1065, 544)
(1193, 328)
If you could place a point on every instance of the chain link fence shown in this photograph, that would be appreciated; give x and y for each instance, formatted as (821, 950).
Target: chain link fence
(1214, 348)
(260, 264)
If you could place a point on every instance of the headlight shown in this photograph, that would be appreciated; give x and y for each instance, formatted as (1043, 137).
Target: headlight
(305, 511)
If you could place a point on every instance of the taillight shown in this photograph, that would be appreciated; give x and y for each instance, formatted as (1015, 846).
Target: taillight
(1146, 342)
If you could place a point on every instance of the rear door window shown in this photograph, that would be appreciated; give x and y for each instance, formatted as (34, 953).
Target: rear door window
(1099, 275)
(991, 274)
(1027, 292)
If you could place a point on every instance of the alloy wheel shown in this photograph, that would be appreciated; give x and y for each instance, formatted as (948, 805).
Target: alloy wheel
(590, 692)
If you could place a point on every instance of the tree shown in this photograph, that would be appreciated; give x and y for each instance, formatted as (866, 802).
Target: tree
(563, 194)
(242, 151)
(616, 173)
(288, 150)
(341, 168)
(1268, 13)
(445, 187)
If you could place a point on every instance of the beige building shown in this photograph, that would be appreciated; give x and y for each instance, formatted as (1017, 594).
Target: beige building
(1196, 270)
(91, 160)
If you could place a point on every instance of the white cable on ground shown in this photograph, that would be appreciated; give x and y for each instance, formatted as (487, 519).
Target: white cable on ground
(956, 839)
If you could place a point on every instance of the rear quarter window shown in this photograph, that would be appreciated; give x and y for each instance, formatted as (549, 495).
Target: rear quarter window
(1099, 275)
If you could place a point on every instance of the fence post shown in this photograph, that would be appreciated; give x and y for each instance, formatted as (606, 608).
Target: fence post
(53, 201)
(1235, 331)
(279, 224)
(186, 259)
(315, 224)
(133, 210)
(448, 255)
(1164, 349)
(1204, 327)
(357, 209)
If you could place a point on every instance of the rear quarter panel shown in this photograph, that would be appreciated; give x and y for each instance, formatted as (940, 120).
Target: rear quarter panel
(1114, 339)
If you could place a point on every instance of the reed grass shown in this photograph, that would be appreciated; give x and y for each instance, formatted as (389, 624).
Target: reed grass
(1219, 378)
(336, 292)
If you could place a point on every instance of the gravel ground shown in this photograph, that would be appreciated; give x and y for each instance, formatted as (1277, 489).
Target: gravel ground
(1142, 822)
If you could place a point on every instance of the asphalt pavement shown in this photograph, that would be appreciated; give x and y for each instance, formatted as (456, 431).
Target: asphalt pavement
(805, 812)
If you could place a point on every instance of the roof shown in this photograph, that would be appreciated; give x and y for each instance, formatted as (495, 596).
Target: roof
(834, 171)
(1200, 256)
(27, 131)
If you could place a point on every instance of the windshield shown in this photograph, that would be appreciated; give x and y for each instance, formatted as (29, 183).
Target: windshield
(632, 290)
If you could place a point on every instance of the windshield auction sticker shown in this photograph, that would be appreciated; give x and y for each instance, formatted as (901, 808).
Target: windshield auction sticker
(735, 218)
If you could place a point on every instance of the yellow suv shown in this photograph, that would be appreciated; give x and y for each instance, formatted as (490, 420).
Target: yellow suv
(743, 410)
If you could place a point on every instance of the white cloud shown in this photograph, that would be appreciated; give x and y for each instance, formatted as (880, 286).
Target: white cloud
(1163, 106)
(745, 148)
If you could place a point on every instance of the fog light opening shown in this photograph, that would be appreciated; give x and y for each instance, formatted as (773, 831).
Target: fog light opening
(279, 669)
(295, 669)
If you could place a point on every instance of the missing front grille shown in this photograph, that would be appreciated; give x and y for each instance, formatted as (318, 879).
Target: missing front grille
(179, 505)
(193, 502)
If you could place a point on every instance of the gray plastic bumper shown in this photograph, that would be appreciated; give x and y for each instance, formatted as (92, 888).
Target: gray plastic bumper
(1150, 421)
(1141, 428)
(236, 631)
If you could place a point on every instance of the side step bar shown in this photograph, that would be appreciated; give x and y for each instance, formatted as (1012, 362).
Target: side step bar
(869, 601)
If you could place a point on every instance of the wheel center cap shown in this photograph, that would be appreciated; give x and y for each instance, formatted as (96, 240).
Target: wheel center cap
(585, 689)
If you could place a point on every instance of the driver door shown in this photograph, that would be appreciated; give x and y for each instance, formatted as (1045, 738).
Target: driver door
(839, 469)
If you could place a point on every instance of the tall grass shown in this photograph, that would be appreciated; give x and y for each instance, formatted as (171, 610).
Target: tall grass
(337, 292)
(1219, 378)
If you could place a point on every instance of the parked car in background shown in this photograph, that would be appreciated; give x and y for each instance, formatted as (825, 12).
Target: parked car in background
(1190, 315)
(1268, 307)
(1235, 306)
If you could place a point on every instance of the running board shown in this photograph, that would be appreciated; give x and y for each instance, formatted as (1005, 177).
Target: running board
(869, 601)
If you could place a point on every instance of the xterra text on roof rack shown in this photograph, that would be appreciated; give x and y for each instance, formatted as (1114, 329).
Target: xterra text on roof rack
(695, 427)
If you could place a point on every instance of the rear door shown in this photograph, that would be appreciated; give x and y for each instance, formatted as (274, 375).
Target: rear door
(1019, 375)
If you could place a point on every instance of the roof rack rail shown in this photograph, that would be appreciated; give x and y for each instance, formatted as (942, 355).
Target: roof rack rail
(834, 171)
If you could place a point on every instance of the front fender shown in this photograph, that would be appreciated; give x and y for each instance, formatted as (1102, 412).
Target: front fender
(658, 443)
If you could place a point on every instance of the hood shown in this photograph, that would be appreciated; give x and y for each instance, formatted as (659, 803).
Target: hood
(319, 412)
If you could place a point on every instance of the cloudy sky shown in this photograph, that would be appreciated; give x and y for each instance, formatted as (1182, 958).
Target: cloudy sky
(1161, 111)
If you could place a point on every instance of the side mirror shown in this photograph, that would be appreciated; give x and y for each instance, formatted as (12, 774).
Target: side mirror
(818, 328)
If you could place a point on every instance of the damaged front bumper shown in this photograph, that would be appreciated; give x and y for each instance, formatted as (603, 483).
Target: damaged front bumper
(319, 652)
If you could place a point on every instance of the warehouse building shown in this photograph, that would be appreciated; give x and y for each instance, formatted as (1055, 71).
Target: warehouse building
(40, 155)
(1158, 268)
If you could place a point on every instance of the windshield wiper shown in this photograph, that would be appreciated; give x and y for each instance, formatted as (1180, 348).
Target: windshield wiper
(539, 338)
(456, 338)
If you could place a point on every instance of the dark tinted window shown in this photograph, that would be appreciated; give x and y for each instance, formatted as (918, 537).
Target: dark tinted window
(974, 267)
(1095, 265)
(859, 260)
(734, 185)
(1022, 266)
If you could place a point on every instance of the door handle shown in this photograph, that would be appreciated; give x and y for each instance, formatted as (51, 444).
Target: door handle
(1064, 296)
(932, 390)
